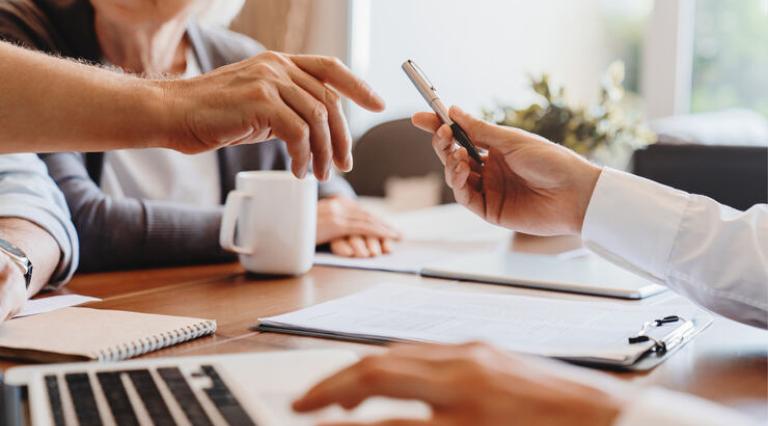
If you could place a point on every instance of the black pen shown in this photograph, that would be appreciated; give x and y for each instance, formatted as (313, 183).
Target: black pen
(428, 91)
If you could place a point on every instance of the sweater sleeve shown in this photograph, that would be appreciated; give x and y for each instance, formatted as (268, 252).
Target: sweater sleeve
(132, 233)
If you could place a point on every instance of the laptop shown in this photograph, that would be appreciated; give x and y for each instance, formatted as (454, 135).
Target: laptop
(241, 389)
(586, 274)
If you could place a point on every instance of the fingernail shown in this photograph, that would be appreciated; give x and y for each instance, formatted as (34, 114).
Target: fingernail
(349, 163)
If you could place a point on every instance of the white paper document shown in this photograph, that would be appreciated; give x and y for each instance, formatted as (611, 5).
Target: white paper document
(449, 223)
(543, 326)
(429, 235)
(406, 258)
(53, 303)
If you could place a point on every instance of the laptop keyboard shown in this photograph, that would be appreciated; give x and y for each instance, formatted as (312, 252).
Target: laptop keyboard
(54, 399)
(184, 395)
(111, 403)
(151, 398)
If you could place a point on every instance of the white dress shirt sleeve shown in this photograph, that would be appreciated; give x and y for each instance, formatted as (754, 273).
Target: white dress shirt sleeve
(712, 254)
(659, 407)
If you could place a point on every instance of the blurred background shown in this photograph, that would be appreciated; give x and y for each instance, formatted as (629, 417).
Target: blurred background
(674, 90)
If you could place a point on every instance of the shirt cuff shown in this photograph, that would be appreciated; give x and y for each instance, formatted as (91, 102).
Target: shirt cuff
(60, 228)
(662, 407)
(634, 222)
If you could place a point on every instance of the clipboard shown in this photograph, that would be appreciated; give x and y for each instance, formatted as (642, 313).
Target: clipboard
(662, 338)
(595, 334)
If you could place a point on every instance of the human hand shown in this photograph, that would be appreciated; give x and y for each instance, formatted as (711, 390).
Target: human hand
(13, 288)
(474, 384)
(291, 97)
(526, 182)
(351, 230)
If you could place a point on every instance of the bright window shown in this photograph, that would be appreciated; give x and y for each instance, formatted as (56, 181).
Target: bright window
(730, 63)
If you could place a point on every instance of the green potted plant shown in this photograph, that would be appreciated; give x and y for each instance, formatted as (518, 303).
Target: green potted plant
(607, 132)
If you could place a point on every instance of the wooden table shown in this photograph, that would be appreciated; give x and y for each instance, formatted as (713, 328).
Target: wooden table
(727, 363)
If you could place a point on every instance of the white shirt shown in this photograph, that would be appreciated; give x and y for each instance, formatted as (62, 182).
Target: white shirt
(714, 255)
(164, 174)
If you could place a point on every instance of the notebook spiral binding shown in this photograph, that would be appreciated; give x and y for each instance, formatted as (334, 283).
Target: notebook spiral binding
(156, 342)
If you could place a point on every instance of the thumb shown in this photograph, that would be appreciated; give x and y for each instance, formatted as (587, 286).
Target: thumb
(485, 134)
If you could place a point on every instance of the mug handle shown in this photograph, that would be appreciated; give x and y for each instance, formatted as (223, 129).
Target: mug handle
(229, 220)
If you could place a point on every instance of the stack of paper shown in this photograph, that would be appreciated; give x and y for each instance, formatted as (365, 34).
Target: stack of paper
(557, 328)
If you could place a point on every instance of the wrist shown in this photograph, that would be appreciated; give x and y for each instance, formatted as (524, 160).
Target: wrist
(18, 260)
(165, 113)
(12, 277)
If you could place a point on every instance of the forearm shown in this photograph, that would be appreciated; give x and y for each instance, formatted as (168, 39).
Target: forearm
(51, 104)
(127, 234)
(39, 246)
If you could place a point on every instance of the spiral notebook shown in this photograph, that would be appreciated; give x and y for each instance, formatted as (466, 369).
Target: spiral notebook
(85, 334)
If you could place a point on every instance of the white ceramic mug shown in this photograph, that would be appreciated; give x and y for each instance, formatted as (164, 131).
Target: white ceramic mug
(276, 219)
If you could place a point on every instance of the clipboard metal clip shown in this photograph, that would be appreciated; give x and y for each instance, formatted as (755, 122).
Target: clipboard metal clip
(664, 343)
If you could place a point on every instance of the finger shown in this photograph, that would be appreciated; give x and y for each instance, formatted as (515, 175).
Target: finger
(360, 228)
(315, 114)
(386, 246)
(341, 247)
(340, 136)
(383, 375)
(288, 126)
(442, 143)
(332, 71)
(427, 121)
(358, 246)
(466, 191)
(478, 167)
(456, 171)
(487, 135)
(460, 168)
(374, 246)
(434, 352)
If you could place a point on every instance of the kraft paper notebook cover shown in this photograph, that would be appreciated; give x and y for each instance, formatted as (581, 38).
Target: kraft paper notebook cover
(82, 334)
